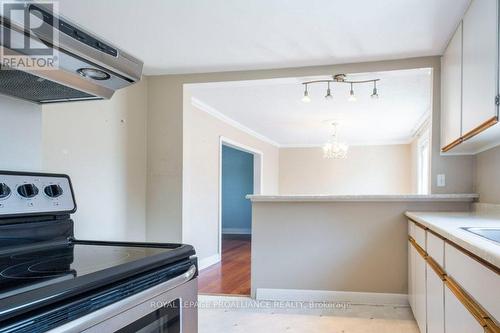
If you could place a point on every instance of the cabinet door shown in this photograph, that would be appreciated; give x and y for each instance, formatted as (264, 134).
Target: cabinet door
(480, 58)
(457, 318)
(420, 292)
(411, 269)
(451, 90)
(435, 302)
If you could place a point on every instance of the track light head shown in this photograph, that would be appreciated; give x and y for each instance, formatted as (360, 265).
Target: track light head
(352, 97)
(306, 98)
(328, 95)
(374, 95)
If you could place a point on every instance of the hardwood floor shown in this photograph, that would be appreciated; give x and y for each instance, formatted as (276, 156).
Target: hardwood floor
(231, 276)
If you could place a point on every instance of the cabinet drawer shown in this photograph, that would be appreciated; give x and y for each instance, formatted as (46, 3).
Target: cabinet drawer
(477, 280)
(411, 228)
(419, 236)
(435, 248)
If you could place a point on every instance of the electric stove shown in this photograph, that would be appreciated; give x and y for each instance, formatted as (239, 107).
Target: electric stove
(51, 281)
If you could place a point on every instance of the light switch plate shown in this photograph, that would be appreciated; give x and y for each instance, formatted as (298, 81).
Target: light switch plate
(441, 180)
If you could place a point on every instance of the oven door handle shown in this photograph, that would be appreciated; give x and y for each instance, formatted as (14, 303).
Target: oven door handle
(154, 291)
(185, 277)
(178, 280)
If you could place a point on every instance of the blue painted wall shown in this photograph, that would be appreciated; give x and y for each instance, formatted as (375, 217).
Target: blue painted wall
(237, 182)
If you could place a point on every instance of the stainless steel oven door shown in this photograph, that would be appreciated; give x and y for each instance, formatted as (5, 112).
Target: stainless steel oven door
(169, 307)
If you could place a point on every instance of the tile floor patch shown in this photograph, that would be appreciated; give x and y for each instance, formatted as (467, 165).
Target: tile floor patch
(219, 314)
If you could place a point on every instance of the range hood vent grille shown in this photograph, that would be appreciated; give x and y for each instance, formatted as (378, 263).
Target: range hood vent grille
(33, 88)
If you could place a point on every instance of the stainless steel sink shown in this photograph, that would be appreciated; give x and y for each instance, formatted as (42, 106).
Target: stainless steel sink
(488, 233)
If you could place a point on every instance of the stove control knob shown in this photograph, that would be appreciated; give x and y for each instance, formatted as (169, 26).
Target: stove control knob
(53, 191)
(4, 190)
(27, 190)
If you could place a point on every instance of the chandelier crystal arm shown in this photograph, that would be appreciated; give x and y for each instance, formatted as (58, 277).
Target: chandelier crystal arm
(333, 149)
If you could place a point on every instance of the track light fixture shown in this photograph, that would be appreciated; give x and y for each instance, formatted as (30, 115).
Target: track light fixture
(340, 78)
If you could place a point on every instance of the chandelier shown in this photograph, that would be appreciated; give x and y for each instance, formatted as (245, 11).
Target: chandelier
(339, 78)
(333, 149)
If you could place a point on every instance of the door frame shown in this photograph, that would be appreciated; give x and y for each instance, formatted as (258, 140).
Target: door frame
(258, 175)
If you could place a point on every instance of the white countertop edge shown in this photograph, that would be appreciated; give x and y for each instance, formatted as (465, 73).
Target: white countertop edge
(469, 197)
(449, 225)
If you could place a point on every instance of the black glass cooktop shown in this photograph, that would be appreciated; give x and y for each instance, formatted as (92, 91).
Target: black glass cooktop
(25, 271)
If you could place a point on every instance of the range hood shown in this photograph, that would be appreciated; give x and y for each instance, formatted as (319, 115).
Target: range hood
(88, 67)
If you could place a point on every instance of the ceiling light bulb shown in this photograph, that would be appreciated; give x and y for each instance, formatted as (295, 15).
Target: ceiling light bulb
(306, 98)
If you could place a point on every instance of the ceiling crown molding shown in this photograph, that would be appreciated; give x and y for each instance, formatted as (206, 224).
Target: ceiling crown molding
(217, 114)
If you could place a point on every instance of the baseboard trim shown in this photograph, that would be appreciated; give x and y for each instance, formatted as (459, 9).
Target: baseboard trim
(209, 261)
(266, 294)
(236, 231)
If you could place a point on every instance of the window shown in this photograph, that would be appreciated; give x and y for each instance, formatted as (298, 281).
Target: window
(423, 151)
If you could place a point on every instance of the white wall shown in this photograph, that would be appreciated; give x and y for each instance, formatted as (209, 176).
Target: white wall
(366, 170)
(459, 170)
(487, 179)
(414, 165)
(341, 246)
(200, 200)
(102, 146)
(165, 136)
(20, 135)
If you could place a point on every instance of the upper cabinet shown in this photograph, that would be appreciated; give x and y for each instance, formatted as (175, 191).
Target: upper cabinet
(451, 90)
(480, 64)
(470, 70)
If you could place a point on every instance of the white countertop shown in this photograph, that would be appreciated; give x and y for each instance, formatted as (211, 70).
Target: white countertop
(372, 198)
(449, 226)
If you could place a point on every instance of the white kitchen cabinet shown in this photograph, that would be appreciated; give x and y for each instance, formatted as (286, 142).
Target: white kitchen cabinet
(469, 82)
(443, 267)
(435, 302)
(435, 285)
(435, 248)
(477, 280)
(420, 292)
(480, 64)
(457, 318)
(417, 276)
(451, 90)
(411, 280)
(420, 236)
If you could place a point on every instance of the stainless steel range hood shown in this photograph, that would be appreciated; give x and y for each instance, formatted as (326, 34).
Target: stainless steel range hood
(87, 68)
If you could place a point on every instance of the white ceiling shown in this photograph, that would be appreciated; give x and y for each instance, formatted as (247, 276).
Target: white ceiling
(179, 36)
(273, 110)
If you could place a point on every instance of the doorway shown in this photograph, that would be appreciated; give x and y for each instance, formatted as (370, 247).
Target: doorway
(240, 174)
